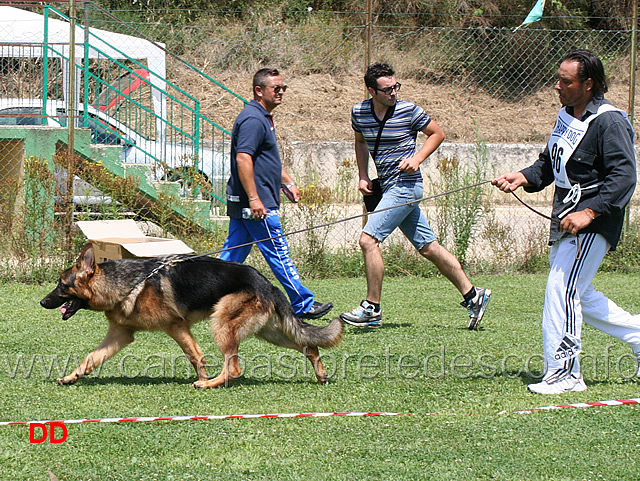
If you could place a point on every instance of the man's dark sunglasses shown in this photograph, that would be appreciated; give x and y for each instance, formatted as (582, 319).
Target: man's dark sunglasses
(389, 90)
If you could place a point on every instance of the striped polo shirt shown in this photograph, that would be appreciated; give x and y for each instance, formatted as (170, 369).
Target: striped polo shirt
(398, 139)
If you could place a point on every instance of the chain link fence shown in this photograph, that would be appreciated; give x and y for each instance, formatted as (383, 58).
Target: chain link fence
(487, 88)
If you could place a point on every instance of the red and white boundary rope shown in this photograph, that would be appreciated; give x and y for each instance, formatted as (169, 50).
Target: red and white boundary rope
(204, 418)
(583, 405)
(303, 415)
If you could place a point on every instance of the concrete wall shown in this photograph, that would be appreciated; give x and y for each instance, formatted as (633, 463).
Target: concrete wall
(311, 158)
(322, 161)
(508, 229)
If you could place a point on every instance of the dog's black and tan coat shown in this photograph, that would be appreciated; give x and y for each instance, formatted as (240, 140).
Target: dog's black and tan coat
(171, 294)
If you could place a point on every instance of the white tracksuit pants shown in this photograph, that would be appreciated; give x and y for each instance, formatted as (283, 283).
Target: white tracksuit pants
(571, 299)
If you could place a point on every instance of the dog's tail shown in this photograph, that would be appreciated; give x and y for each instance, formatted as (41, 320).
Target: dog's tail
(305, 334)
(319, 336)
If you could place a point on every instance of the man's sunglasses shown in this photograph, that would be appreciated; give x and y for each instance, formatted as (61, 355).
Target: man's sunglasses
(389, 90)
(278, 88)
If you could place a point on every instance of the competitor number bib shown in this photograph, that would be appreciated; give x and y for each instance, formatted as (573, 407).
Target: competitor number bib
(567, 134)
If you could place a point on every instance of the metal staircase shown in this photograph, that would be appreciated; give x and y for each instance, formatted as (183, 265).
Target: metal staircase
(141, 125)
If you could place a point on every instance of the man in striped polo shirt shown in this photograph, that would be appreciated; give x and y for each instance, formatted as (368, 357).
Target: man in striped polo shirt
(387, 128)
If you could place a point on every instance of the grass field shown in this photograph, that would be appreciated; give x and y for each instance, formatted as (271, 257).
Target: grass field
(422, 361)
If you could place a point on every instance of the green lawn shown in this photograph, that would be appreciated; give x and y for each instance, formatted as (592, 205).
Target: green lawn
(423, 360)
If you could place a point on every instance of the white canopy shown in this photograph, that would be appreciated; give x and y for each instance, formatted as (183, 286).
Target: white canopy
(22, 31)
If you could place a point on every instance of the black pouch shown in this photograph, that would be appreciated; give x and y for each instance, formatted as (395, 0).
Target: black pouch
(371, 201)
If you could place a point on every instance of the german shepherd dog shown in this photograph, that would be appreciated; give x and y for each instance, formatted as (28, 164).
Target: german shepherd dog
(171, 294)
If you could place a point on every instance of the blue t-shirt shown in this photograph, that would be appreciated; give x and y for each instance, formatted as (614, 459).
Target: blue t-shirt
(253, 133)
(398, 139)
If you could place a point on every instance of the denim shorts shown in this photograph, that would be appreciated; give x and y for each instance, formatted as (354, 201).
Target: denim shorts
(409, 217)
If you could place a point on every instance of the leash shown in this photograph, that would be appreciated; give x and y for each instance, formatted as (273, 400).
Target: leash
(346, 219)
(168, 263)
(578, 240)
(175, 260)
(531, 208)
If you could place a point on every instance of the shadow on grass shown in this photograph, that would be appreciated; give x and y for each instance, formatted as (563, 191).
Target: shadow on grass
(127, 381)
(349, 329)
(166, 380)
(526, 378)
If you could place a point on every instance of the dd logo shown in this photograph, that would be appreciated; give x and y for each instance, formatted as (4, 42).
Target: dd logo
(43, 431)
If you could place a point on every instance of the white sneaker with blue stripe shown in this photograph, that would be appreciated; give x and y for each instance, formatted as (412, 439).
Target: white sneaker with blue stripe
(364, 315)
(477, 306)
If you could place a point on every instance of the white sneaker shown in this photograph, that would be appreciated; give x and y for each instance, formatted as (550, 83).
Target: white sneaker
(364, 315)
(477, 306)
(568, 384)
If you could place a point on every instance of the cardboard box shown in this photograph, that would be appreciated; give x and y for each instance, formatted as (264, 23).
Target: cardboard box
(123, 239)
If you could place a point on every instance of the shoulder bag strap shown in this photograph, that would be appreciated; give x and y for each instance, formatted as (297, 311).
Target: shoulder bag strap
(387, 116)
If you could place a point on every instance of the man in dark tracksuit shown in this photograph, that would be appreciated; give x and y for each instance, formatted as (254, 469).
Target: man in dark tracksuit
(590, 158)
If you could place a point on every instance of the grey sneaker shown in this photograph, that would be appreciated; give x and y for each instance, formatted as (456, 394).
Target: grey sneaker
(477, 306)
(363, 316)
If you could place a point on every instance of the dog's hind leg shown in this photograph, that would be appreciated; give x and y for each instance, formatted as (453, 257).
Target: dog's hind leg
(117, 337)
(277, 337)
(182, 335)
(313, 355)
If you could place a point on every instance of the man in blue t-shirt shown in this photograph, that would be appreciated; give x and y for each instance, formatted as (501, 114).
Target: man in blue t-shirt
(387, 128)
(253, 193)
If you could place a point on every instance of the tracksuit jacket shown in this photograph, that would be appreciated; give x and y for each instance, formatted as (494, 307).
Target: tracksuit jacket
(605, 155)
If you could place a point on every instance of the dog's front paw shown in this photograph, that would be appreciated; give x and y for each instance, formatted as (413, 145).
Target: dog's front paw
(67, 381)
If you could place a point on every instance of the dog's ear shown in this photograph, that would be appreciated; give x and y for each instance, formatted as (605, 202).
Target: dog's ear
(87, 260)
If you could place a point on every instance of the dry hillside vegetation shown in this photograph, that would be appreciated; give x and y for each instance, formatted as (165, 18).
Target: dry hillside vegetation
(317, 108)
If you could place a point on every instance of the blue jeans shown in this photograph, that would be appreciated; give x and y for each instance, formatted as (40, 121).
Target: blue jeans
(409, 217)
(275, 252)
